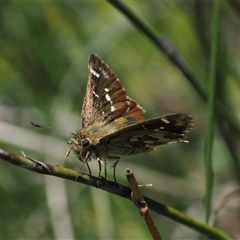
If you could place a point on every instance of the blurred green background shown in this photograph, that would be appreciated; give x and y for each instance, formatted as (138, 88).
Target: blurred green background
(44, 51)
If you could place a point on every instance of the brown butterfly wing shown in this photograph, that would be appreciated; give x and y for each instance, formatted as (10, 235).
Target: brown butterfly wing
(143, 137)
(106, 99)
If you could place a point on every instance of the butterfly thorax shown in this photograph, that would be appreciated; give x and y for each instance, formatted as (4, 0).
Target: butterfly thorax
(86, 142)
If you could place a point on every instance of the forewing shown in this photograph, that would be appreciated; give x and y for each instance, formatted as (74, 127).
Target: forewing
(105, 99)
(143, 137)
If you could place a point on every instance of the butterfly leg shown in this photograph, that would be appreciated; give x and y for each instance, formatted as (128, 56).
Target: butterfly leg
(84, 162)
(114, 166)
(105, 170)
(89, 170)
(66, 155)
(114, 169)
(99, 167)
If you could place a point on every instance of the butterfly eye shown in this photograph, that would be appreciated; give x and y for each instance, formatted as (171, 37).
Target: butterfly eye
(85, 142)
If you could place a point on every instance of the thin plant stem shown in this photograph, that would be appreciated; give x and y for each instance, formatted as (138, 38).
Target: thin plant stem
(211, 109)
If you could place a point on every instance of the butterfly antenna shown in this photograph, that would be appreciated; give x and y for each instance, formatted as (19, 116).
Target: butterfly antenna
(48, 127)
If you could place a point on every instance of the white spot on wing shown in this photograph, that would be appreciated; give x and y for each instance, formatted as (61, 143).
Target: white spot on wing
(165, 120)
(128, 108)
(107, 96)
(113, 108)
(96, 95)
(94, 73)
(105, 74)
(106, 89)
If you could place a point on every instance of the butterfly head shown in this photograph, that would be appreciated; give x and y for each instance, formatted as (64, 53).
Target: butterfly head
(80, 144)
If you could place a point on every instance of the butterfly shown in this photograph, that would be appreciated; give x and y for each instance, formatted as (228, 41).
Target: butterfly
(113, 124)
